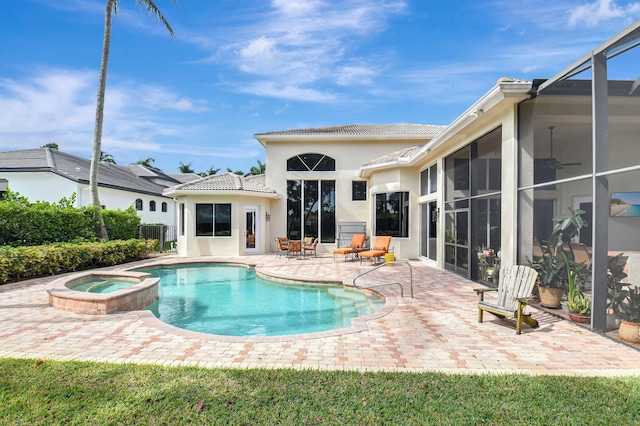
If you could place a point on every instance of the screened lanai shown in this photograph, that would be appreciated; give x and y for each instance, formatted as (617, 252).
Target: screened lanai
(579, 141)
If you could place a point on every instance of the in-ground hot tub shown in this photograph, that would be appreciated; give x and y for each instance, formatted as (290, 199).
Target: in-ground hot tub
(101, 293)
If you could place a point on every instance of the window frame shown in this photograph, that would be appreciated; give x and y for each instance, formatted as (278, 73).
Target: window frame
(404, 202)
(216, 228)
(354, 191)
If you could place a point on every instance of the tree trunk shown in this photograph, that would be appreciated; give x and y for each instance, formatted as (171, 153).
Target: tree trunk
(97, 134)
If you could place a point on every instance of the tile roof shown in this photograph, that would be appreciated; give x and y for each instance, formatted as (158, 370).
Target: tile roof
(184, 177)
(223, 182)
(393, 157)
(363, 130)
(77, 169)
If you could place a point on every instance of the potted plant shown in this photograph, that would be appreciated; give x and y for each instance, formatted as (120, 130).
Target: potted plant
(617, 291)
(629, 330)
(579, 305)
(552, 272)
(550, 280)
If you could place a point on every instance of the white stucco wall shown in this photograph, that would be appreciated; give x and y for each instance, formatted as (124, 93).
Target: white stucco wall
(399, 180)
(193, 246)
(50, 187)
(43, 186)
(349, 156)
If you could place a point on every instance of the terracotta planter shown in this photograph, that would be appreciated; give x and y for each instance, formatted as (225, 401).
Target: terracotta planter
(550, 297)
(581, 318)
(629, 331)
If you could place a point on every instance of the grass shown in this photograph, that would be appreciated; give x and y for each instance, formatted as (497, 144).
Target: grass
(70, 393)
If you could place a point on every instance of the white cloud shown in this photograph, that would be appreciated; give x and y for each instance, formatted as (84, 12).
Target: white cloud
(289, 92)
(591, 14)
(354, 75)
(299, 45)
(58, 105)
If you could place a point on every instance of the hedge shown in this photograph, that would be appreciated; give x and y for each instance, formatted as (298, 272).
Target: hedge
(21, 263)
(23, 223)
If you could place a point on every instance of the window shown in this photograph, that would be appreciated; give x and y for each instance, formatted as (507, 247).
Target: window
(222, 220)
(164, 207)
(392, 214)
(4, 183)
(311, 163)
(473, 206)
(311, 209)
(181, 218)
(152, 206)
(138, 204)
(359, 190)
(213, 220)
(429, 180)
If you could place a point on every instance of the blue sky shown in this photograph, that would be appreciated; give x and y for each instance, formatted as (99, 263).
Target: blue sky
(239, 67)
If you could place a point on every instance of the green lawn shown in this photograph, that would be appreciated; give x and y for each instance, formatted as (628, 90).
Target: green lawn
(51, 392)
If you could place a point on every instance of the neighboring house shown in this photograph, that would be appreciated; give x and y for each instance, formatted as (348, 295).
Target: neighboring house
(523, 153)
(46, 174)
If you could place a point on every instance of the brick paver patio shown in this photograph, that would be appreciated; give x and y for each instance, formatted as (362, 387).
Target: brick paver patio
(435, 331)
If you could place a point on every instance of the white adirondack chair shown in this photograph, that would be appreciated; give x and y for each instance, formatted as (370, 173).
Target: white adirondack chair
(515, 287)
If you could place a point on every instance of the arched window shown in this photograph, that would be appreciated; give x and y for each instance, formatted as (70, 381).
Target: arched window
(311, 163)
(138, 204)
(152, 206)
(164, 207)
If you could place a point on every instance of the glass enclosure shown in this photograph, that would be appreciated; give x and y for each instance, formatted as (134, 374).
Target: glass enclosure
(473, 184)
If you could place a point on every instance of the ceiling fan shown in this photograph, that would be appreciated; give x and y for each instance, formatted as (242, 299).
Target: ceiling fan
(553, 162)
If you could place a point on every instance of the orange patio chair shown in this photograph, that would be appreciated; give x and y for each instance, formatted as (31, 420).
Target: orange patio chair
(380, 248)
(282, 246)
(357, 242)
(309, 246)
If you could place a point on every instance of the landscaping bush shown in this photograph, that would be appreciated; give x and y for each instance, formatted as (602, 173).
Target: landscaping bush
(21, 263)
(121, 224)
(23, 223)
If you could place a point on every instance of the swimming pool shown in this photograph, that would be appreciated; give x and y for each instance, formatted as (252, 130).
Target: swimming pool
(232, 300)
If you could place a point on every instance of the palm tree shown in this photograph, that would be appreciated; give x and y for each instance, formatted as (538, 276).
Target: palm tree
(51, 145)
(260, 170)
(106, 158)
(147, 162)
(112, 6)
(236, 172)
(185, 168)
(212, 171)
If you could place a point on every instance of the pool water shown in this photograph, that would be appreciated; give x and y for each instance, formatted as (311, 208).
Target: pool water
(102, 285)
(232, 300)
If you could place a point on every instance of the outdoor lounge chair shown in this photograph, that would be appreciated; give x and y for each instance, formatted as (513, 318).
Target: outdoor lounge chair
(515, 287)
(380, 248)
(357, 242)
(309, 246)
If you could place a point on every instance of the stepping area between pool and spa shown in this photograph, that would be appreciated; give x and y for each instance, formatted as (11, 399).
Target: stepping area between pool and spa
(435, 331)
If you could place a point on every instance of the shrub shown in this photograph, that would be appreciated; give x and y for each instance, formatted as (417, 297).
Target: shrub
(20, 263)
(29, 224)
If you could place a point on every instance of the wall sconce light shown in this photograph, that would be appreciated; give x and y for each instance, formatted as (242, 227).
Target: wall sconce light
(268, 217)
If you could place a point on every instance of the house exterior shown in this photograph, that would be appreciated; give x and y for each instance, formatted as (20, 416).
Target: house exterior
(224, 214)
(46, 174)
(523, 153)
